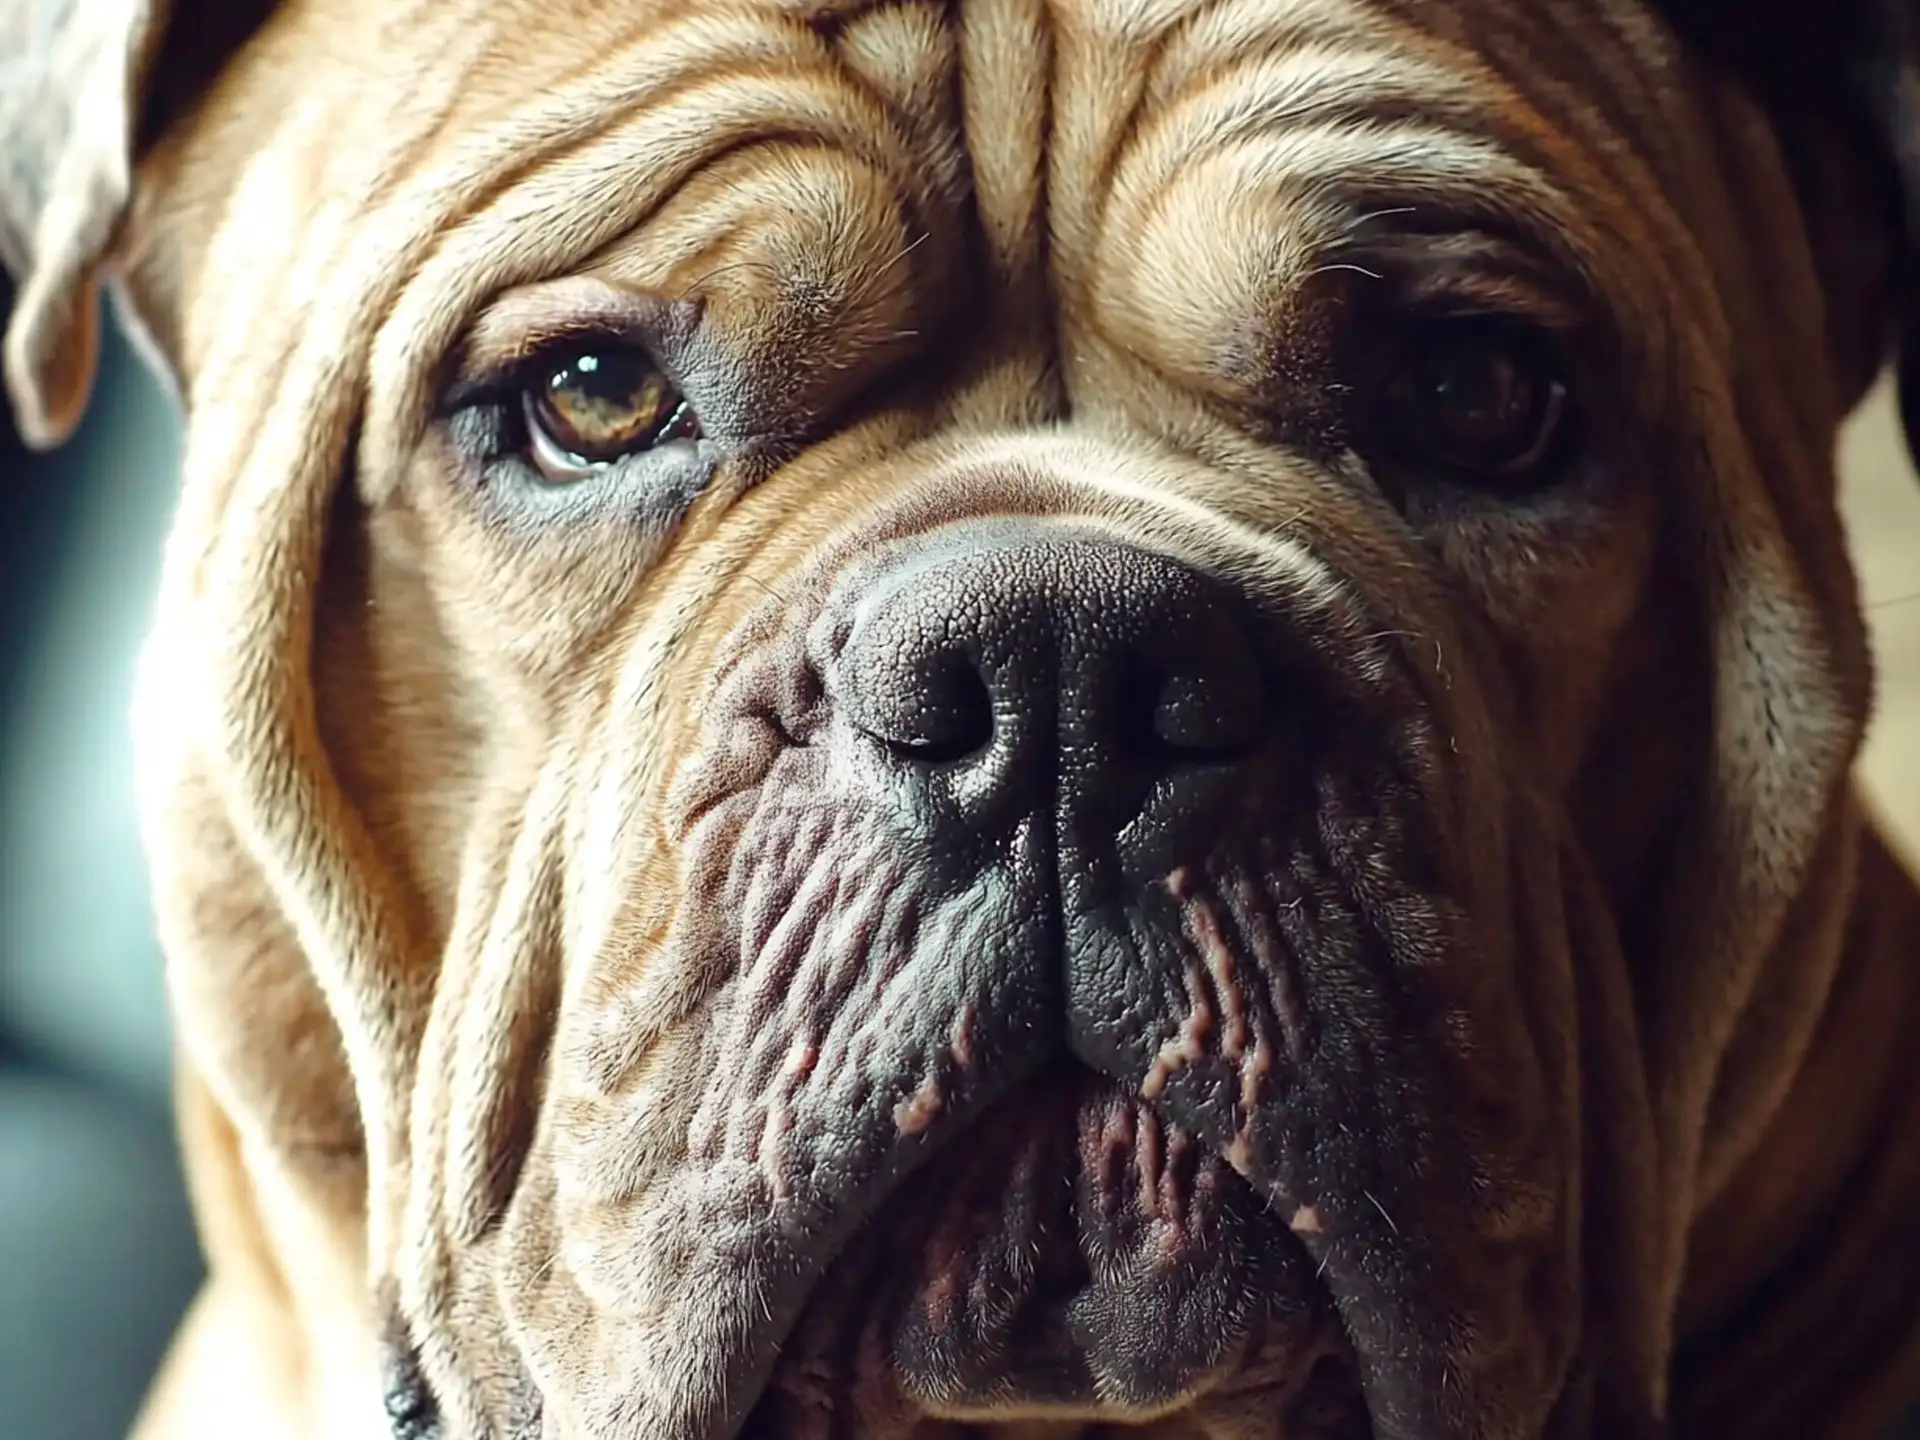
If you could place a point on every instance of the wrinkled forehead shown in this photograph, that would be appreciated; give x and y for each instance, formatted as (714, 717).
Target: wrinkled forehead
(1159, 171)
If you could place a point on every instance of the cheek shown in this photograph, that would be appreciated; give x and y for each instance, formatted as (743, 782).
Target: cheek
(1555, 588)
(523, 597)
(412, 714)
(607, 764)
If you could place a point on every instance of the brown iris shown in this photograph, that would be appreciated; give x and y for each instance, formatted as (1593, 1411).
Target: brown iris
(599, 405)
(1479, 401)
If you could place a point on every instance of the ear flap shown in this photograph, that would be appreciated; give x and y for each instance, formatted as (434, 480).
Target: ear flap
(68, 105)
(83, 85)
(1840, 81)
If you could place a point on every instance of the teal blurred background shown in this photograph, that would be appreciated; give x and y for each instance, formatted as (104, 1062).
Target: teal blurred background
(97, 1252)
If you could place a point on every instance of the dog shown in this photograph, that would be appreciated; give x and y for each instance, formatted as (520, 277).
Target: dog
(890, 719)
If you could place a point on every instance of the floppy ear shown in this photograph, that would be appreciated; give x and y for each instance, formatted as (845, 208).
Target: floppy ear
(1840, 82)
(84, 84)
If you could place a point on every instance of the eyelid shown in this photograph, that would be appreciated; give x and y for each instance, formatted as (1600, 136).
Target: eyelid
(527, 330)
(505, 376)
(1504, 322)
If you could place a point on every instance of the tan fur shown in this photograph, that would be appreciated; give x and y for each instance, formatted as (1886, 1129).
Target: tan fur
(409, 774)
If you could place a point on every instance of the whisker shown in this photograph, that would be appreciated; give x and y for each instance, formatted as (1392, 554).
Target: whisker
(701, 280)
(1895, 600)
(1444, 675)
(1373, 215)
(771, 591)
(1343, 265)
(1383, 1211)
(870, 281)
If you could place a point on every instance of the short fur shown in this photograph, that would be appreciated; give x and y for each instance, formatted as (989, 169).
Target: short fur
(413, 770)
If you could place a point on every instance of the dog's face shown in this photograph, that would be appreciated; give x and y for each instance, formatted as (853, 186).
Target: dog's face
(1009, 703)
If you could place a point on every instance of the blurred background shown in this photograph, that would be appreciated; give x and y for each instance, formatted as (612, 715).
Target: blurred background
(97, 1255)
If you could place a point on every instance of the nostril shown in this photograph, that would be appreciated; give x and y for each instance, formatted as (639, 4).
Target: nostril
(1059, 650)
(1211, 713)
(946, 717)
(1191, 714)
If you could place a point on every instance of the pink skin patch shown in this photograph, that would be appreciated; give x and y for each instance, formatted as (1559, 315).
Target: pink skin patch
(1189, 1047)
(913, 1115)
(1215, 999)
(962, 1047)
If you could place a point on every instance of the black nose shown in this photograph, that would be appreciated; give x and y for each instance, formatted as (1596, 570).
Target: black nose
(1003, 665)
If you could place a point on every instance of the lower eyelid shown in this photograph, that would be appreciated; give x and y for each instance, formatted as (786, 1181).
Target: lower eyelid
(544, 452)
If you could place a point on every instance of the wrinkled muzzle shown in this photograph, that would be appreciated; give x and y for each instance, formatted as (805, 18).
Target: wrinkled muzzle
(1082, 997)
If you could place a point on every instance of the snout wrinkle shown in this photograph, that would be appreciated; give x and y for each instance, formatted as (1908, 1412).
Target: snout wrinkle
(1025, 1005)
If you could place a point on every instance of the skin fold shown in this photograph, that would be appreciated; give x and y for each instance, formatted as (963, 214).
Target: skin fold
(628, 986)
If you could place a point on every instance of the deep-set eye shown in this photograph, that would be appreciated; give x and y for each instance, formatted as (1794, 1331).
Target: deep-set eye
(595, 406)
(1478, 401)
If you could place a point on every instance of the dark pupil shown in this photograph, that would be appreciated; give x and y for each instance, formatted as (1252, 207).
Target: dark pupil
(1479, 400)
(609, 381)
